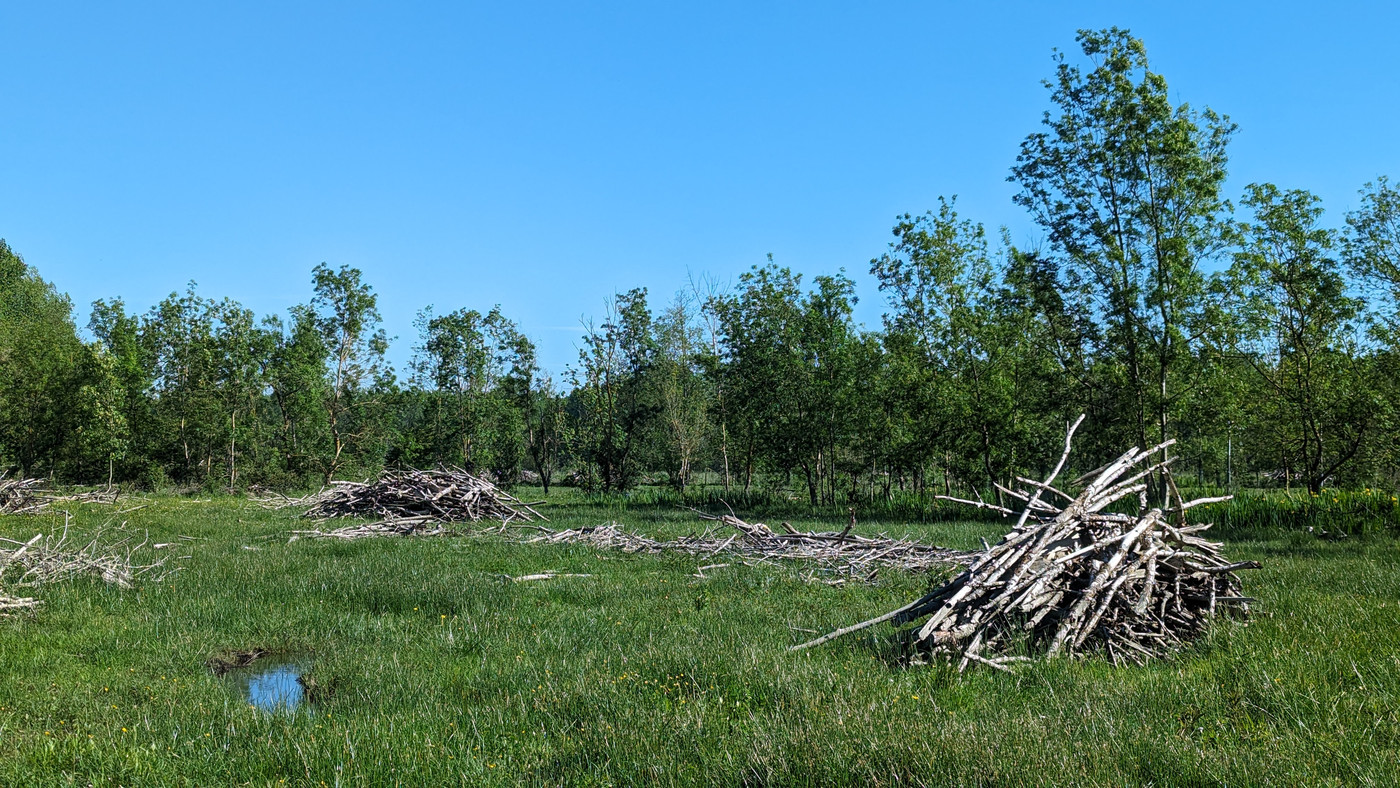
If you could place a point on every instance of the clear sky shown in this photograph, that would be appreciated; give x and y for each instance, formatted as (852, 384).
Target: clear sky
(544, 156)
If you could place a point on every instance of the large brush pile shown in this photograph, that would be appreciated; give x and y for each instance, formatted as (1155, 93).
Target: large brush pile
(445, 495)
(1081, 579)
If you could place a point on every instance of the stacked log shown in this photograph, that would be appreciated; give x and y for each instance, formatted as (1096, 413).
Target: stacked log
(1080, 578)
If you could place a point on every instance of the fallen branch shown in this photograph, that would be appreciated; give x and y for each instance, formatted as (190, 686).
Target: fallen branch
(31, 496)
(847, 555)
(444, 495)
(49, 558)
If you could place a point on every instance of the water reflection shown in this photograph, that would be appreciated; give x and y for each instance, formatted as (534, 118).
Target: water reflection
(271, 685)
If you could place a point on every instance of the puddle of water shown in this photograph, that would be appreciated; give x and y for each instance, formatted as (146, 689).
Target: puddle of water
(271, 684)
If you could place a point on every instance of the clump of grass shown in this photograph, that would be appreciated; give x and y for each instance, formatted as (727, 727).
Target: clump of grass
(644, 674)
(1336, 512)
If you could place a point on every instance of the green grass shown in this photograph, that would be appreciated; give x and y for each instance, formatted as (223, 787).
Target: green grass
(433, 670)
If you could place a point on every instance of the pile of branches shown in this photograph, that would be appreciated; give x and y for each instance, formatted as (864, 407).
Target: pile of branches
(50, 559)
(20, 496)
(30, 496)
(413, 502)
(1073, 578)
(840, 555)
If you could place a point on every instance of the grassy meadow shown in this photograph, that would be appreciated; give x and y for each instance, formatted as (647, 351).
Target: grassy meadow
(431, 668)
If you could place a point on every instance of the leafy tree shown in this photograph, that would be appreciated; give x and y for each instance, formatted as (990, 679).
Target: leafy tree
(1128, 188)
(43, 360)
(762, 324)
(243, 350)
(179, 339)
(102, 437)
(346, 314)
(1373, 250)
(682, 390)
(710, 297)
(1296, 326)
(464, 362)
(125, 358)
(788, 359)
(615, 408)
(300, 390)
(542, 411)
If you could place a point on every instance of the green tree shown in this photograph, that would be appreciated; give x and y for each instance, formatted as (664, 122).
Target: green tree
(1128, 188)
(615, 408)
(188, 413)
(788, 357)
(347, 316)
(299, 389)
(1295, 324)
(43, 362)
(682, 390)
(542, 410)
(764, 371)
(1373, 250)
(127, 360)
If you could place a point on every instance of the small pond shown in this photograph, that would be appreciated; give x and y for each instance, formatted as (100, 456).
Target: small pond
(271, 683)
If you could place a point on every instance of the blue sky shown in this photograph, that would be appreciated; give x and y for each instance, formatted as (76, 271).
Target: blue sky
(544, 156)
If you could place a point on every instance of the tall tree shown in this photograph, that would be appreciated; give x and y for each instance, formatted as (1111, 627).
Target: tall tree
(682, 391)
(43, 361)
(1295, 323)
(615, 407)
(129, 363)
(1128, 188)
(300, 390)
(463, 361)
(347, 315)
(943, 288)
(1373, 250)
(542, 410)
(178, 334)
(788, 358)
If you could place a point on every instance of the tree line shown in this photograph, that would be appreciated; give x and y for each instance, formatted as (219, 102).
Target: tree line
(1259, 337)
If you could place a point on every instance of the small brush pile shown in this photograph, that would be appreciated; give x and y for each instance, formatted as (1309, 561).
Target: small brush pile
(410, 502)
(30, 496)
(1081, 579)
(20, 496)
(51, 559)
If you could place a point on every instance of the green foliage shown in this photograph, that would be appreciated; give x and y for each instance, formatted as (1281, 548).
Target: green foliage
(469, 372)
(1282, 371)
(44, 366)
(980, 357)
(1293, 322)
(614, 404)
(1128, 188)
(346, 313)
(1373, 250)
